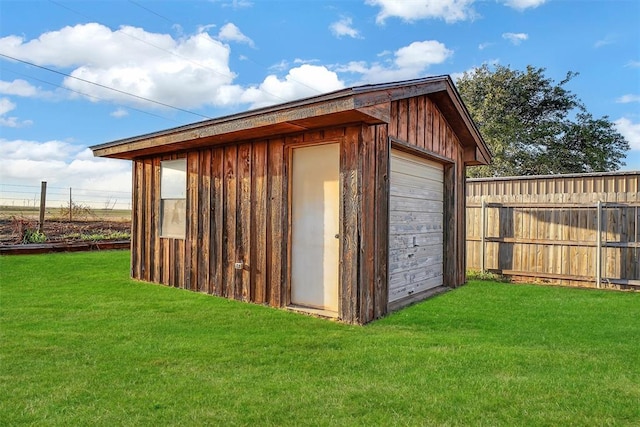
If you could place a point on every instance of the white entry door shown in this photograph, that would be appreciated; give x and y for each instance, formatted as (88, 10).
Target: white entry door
(315, 221)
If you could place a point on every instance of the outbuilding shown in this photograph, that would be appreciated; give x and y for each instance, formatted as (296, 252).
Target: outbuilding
(349, 204)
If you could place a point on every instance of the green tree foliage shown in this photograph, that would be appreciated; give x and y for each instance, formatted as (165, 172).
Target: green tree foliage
(536, 127)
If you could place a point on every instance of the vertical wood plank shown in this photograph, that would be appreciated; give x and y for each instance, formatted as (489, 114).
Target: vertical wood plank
(393, 123)
(428, 131)
(243, 229)
(412, 121)
(147, 220)
(403, 120)
(276, 218)
(204, 223)
(449, 227)
(192, 240)
(137, 238)
(349, 220)
(368, 223)
(217, 225)
(421, 104)
(436, 131)
(382, 221)
(229, 220)
(259, 223)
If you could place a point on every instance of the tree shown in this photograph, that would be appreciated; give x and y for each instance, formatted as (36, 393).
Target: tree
(536, 127)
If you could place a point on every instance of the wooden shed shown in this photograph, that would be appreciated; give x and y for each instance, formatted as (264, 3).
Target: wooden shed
(348, 204)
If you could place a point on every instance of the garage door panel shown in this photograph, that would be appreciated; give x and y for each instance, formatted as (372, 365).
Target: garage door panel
(400, 241)
(416, 220)
(411, 258)
(398, 293)
(417, 280)
(416, 228)
(415, 277)
(415, 166)
(409, 204)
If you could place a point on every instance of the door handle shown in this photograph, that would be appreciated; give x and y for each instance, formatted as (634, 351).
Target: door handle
(337, 236)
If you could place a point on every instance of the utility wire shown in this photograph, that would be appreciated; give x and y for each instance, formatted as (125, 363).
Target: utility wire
(88, 95)
(104, 87)
(175, 54)
(183, 57)
(151, 11)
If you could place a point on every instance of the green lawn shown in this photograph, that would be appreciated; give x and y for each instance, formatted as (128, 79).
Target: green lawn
(82, 344)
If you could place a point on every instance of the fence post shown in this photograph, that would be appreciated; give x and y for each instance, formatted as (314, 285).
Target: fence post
(43, 198)
(482, 234)
(599, 245)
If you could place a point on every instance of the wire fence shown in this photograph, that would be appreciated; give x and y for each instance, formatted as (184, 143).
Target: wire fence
(27, 196)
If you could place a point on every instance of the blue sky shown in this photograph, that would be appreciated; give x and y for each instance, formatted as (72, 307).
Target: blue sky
(213, 58)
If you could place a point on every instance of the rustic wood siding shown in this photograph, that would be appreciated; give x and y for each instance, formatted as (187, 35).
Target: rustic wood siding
(545, 228)
(236, 211)
(237, 208)
(418, 123)
(238, 204)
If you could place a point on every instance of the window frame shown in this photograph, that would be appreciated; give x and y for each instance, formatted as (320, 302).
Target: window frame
(173, 195)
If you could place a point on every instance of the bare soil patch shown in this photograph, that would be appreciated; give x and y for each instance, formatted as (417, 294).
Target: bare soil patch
(12, 230)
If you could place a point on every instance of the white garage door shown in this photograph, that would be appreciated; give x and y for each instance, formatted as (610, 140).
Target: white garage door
(415, 225)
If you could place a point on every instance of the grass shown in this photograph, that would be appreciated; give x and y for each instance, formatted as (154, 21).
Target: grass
(110, 235)
(82, 344)
(57, 213)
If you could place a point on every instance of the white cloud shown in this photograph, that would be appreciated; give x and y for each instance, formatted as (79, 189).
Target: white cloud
(229, 32)
(186, 73)
(630, 130)
(61, 164)
(119, 113)
(12, 122)
(344, 27)
(523, 4)
(609, 39)
(410, 62)
(32, 150)
(629, 98)
(306, 80)
(237, 4)
(483, 46)
(18, 87)
(633, 64)
(6, 105)
(515, 38)
(448, 10)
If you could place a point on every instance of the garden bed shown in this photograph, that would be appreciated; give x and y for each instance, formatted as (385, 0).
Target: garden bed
(19, 231)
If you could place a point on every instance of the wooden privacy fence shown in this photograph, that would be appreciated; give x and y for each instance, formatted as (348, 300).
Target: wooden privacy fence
(580, 230)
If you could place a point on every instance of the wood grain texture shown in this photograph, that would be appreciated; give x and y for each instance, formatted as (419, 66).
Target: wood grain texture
(243, 227)
(548, 227)
(229, 222)
(367, 172)
(276, 222)
(216, 262)
(238, 206)
(204, 222)
(350, 221)
(259, 223)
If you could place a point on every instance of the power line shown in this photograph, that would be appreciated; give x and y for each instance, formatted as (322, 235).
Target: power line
(249, 59)
(103, 86)
(86, 94)
(151, 11)
(173, 53)
(183, 57)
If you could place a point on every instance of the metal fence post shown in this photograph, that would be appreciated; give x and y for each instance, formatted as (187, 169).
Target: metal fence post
(482, 234)
(43, 198)
(599, 245)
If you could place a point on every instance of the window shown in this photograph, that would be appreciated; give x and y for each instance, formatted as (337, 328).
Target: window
(173, 198)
